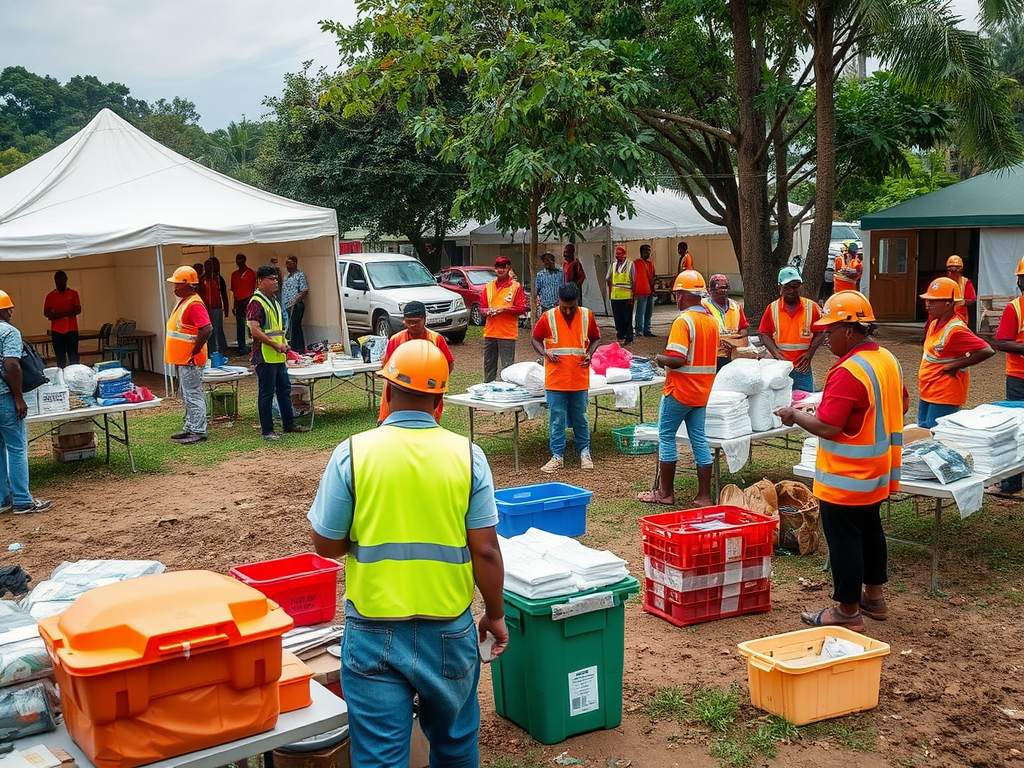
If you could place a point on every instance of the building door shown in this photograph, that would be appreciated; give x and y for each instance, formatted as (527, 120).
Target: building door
(894, 275)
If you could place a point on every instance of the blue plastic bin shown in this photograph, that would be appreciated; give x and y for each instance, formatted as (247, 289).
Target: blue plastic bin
(554, 507)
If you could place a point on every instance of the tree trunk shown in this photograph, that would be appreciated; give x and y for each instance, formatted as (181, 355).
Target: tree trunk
(531, 260)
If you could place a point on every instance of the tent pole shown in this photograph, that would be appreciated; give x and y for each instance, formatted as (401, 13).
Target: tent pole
(341, 302)
(164, 312)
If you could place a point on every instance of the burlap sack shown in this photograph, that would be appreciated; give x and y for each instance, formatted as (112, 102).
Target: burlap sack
(732, 496)
(798, 517)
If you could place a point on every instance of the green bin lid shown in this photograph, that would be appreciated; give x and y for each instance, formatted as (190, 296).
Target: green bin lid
(542, 607)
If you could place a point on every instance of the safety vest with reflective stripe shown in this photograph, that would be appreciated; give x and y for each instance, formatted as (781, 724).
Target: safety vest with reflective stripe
(181, 338)
(694, 335)
(1015, 363)
(570, 344)
(504, 325)
(622, 284)
(273, 326)
(840, 281)
(385, 407)
(865, 467)
(934, 385)
(408, 554)
(792, 334)
(728, 320)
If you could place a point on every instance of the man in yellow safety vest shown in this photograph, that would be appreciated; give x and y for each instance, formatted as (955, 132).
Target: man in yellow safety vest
(411, 507)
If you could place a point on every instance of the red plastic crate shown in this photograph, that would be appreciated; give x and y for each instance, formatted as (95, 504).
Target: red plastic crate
(686, 608)
(678, 538)
(305, 586)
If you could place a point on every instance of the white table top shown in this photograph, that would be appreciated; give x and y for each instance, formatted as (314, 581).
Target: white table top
(216, 378)
(469, 401)
(719, 442)
(933, 488)
(325, 713)
(88, 413)
(327, 371)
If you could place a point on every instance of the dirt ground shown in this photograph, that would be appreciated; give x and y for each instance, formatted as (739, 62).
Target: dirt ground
(956, 660)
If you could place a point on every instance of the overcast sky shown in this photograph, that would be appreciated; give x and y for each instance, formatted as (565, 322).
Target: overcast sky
(224, 55)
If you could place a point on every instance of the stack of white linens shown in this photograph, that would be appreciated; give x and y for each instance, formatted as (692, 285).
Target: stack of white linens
(542, 564)
(988, 433)
(728, 416)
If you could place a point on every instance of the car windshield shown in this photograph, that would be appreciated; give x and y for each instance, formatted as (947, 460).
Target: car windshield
(398, 274)
(481, 276)
(844, 232)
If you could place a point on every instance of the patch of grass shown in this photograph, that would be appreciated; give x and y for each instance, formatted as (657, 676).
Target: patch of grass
(1015, 597)
(669, 703)
(854, 733)
(532, 760)
(715, 708)
(767, 735)
(732, 753)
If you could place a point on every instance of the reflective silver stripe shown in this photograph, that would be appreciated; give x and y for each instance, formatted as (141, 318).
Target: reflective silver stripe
(896, 473)
(553, 329)
(793, 347)
(940, 360)
(693, 336)
(694, 369)
(882, 440)
(684, 351)
(850, 484)
(567, 350)
(274, 333)
(856, 451)
(897, 438)
(439, 553)
(181, 336)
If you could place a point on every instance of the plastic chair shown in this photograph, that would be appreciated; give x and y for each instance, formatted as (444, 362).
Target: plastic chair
(104, 339)
(123, 348)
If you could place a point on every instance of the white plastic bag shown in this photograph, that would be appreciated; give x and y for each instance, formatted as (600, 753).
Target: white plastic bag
(529, 375)
(761, 417)
(775, 373)
(617, 375)
(741, 375)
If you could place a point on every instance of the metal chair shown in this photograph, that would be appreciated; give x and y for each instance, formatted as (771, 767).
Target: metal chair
(123, 347)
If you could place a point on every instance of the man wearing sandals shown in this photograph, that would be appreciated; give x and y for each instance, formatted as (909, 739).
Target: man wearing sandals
(859, 426)
(689, 362)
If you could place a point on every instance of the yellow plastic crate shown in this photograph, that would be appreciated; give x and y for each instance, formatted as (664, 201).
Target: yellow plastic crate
(807, 693)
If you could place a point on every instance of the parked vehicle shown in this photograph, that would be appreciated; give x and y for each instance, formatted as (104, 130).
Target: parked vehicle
(375, 287)
(470, 283)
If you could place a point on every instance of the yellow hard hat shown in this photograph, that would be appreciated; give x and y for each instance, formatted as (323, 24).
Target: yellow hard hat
(943, 289)
(690, 280)
(184, 275)
(955, 261)
(845, 307)
(1020, 266)
(417, 365)
(5, 301)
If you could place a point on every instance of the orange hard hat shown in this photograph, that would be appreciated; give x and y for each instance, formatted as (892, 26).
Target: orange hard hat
(845, 307)
(690, 280)
(5, 301)
(955, 261)
(943, 289)
(419, 366)
(1020, 266)
(184, 275)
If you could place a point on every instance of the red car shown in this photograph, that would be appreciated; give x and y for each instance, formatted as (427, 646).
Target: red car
(469, 283)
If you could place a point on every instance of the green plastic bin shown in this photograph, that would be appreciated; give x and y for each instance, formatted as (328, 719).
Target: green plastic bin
(562, 671)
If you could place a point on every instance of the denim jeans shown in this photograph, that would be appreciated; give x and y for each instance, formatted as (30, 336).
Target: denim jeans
(384, 663)
(671, 414)
(217, 342)
(571, 408)
(802, 381)
(14, 458)
(928, 413)
(643, 312)
(271, 379)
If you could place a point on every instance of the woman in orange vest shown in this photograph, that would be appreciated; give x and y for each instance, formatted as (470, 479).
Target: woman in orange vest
(732, 323)
(848, 269)
(859, 426)
(414, 318)
(955, 272)
(949, 349)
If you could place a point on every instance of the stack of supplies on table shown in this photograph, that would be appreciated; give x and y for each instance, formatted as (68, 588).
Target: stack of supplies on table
(499, 392)
(542, 564)
(933, 459)
(728, 416)
(28, 698)
(767, 385)
(70, 580)
(989, 434)
(529, 376)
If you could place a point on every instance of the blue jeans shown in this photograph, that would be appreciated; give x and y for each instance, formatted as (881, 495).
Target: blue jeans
(671, 414)
(571, 407)
(384, 663)
(14, 457)
(802, 381)
(928, 413)
(272, 379)
(643, 312)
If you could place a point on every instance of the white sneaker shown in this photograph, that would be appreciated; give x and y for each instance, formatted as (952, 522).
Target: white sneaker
(586, 461)
(554, 463)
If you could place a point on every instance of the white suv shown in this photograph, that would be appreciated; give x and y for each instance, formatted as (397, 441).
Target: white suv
(375, 287)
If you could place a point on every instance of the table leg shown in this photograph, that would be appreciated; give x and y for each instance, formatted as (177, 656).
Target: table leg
(127, 441)
(935, 545)
(312, 402)
(106, 431)
(515, 439)
(641, 404)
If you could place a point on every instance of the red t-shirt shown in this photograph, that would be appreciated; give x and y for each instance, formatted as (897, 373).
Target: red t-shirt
(243, 284)
(573, 271)
(62, 302)
(195, 314)
(844, 400)
(401, 337)
(1009, 326)
(542, 329)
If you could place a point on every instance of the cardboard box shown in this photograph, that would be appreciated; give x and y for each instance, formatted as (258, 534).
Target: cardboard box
(75, 435)
(74, 454)
(54, 399)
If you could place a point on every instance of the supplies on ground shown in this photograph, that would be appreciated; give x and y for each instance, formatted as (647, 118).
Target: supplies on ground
(71, 580)
(540, 564)
(23, 655)
(989, 434)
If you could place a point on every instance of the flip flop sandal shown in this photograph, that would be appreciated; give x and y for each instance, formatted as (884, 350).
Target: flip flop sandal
(832, 617)
(874, 609)
(652, 497)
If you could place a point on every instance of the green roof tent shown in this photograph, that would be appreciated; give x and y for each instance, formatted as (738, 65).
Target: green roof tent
(992, 204)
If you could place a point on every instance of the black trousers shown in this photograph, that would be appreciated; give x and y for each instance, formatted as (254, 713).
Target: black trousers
(857, 548)
(622, 311)
(65, 347)
(1014, 391)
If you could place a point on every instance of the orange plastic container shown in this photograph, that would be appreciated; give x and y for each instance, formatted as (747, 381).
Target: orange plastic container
(163, 665)
(805, 692)
(294, 683)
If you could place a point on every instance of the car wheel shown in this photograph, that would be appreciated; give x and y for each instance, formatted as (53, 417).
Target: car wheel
(476, 317)
(458, 337)
(382, 326)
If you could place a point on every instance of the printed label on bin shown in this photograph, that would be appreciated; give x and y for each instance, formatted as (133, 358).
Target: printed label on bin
(583, 691)
(734, 548)
(580, 605)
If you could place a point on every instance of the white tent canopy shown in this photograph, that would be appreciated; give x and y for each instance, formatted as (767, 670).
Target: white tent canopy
(128, 211)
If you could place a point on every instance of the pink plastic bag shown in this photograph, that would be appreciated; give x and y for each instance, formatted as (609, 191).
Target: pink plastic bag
(610, 356)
